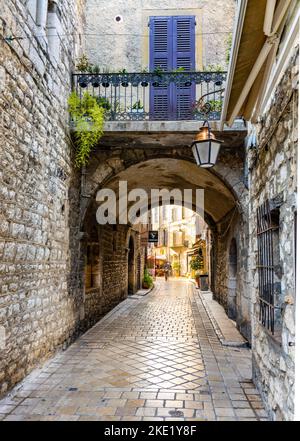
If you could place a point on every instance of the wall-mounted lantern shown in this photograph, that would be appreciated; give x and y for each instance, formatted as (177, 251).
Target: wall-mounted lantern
(206, 147)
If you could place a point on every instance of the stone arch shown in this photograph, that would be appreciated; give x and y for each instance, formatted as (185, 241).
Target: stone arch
(106, 165)
(224, 187)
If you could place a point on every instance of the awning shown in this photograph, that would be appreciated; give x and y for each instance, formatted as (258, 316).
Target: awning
(256, 37)
(158, 257)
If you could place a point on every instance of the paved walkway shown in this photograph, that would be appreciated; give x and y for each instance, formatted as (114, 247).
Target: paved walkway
(155, 357)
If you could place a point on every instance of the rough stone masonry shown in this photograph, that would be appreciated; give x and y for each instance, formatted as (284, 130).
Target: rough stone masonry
(39, 293)
(273, 175)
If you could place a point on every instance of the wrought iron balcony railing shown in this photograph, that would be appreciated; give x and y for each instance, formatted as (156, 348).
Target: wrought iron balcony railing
(165, 96)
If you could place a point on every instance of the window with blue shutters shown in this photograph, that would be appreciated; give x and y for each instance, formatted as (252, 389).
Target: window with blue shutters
(172, 46)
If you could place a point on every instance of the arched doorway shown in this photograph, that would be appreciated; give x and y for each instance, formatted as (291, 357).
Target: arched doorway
(232, 271)
(131, 267)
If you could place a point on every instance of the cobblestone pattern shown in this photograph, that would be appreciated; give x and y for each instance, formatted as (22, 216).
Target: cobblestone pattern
(152, 358)
(38, 191)
(273, 174)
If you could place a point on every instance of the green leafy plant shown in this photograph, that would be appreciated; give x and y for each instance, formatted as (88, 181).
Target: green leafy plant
(197, 263)
(179, 69)
(147, 280)
(95, 69)
(88, 118)
(158, 71)
(83, 64)
(103, 102)
(216, 105)
(213, 105)
(137, 105)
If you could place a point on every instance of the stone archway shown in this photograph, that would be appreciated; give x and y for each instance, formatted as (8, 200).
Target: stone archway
(148, 168)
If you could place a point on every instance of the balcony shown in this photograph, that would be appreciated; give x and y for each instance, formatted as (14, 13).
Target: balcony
(162, 96)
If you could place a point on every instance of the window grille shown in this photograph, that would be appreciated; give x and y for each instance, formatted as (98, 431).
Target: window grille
(267, 237)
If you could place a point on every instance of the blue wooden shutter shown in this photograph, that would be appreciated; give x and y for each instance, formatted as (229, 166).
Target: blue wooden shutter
(183, 56)
(160, 57)
(172, 45)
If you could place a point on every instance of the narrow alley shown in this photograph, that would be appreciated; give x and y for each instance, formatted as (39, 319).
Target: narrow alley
(154, 357)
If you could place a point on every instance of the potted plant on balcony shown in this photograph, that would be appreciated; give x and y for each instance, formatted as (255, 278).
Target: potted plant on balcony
(144, 83)
(83, 66)
(157, 76)
(138, 107)
(103, 102)
(124, 72)
(95, 70)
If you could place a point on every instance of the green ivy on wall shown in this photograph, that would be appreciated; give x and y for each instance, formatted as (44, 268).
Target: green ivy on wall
(88, 118)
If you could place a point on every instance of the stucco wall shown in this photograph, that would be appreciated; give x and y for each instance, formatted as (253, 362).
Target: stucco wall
(125, 45)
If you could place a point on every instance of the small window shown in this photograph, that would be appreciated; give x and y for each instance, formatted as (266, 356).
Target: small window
(269, 268)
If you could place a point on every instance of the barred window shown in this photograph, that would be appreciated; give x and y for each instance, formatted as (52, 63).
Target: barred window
(269, 269)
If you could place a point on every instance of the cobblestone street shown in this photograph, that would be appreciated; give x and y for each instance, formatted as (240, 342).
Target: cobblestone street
(154, 357)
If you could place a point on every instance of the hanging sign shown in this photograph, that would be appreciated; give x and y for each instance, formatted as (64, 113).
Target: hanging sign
(153, 237)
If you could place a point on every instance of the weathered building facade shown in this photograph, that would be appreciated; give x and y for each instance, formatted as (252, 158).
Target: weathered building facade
(125, 25)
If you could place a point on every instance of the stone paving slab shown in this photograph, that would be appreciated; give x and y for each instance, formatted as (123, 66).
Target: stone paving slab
(224, 327)
(155, 358)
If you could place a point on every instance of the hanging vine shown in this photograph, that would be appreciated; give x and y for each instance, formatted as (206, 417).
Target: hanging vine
(88, 118)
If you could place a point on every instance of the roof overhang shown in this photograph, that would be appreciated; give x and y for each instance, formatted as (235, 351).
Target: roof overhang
(255, 41)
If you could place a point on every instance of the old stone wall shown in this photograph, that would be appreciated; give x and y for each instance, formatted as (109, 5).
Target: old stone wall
(124, 44)
(231, 285)
(273, 177)
(39, 215)
(115, 267)
(109, 270)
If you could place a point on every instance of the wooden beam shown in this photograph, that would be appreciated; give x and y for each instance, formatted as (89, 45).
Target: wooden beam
(279, 15)
(269, 16)
(252, 77)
